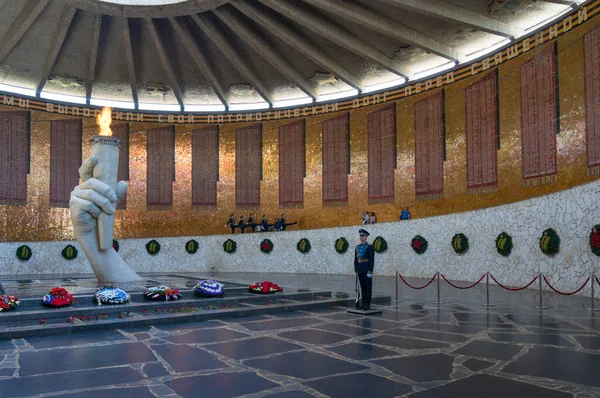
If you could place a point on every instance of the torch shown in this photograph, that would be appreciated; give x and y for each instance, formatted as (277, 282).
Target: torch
(105, 148)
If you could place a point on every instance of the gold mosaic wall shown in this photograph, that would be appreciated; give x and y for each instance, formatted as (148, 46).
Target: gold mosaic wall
(38, 221)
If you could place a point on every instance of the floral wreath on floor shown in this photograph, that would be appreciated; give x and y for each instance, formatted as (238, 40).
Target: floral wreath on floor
(303, 246)
(264, 287)
(191, 246)
(380, 245)
(419, 244)
(116, 245)
(153, 247)
(229, 246)
(595, 240)
(162, 293)
(8, 303)
(209, 288)
(550, 242)
(23, 253)
(266, 246)
(69, 252)
(341, 245)
(111, 295)
(504, 244)
(58, 297)
(460, 243)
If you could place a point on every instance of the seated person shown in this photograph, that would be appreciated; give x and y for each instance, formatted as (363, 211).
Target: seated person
(405, 214)
(252, 222)
(232, 223)
(242, 224)
(372, 218)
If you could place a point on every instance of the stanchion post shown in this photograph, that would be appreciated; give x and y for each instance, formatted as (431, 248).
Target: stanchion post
(593, 307)
(541, 306)
(397, 277)
(439, 300)
(487, 291)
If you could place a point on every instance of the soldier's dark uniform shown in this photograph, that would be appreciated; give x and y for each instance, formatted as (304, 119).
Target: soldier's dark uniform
(364, 261)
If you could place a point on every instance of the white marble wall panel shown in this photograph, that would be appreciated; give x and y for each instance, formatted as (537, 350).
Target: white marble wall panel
(571, 213)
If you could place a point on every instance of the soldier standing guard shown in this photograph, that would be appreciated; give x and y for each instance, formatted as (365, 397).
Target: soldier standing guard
(364, 261)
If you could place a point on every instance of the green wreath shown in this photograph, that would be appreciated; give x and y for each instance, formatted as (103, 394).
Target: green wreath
(116, 245)
(191, 246)
(23, 253)
(341, 245)
(229, 246)
(69, 252)
(419, 244)
(595, 240)
(549, 242)
(266, 246)
(153, 247)
(460, 243)
(504, 244)
(380, 245)
(303, 245)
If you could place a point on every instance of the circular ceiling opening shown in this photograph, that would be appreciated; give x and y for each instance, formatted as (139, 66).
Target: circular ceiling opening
(144, 2)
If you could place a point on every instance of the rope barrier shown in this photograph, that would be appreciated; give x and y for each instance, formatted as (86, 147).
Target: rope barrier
(563, 293)
(514, 289)
(463, 287)
(415, 287)
(597, 280)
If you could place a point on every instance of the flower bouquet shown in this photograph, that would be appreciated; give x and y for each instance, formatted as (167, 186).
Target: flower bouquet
(264, 287)
(209, 288)
(58, 297)
(8, 303)
(111, 295)
(162, 293)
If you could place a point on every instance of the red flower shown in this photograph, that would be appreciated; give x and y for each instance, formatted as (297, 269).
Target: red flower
(595, 241)
(416, 245)
(3, 304)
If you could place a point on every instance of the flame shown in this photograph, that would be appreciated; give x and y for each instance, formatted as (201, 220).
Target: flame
(103, 120)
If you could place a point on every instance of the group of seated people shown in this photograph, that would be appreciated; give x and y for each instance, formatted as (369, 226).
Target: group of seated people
(368, 217)
(280, 223)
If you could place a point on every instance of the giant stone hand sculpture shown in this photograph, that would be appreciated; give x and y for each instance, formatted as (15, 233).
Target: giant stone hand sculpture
(88, 200)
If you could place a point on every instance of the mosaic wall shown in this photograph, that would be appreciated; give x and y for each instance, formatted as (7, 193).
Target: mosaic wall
(37, 221)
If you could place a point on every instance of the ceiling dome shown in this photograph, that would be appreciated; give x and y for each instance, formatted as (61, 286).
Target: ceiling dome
(211, 55)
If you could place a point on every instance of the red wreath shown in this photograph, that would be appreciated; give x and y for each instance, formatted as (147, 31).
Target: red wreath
(264, 287)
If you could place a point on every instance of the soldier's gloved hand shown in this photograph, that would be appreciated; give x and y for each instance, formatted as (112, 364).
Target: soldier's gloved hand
(369, 274)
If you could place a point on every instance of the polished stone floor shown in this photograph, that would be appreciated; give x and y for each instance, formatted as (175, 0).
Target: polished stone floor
(415, 348)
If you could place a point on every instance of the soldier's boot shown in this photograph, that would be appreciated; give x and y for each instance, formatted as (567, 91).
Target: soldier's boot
(367, 306)
(363, 296)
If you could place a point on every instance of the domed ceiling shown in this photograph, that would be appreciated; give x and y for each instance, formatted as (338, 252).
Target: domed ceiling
(216, 55)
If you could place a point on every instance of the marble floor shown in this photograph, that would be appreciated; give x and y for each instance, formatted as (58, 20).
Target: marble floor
(415, 348)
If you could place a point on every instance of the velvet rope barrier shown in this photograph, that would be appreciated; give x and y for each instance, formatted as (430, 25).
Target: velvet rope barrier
(563, 293)
(597, 280)
(415, 287)
(463, 287)
(514, 289)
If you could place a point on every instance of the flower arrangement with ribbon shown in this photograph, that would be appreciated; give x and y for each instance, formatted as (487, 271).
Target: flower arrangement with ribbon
(549, 242)
(419, 244)
(116, 245)
(162, 293)
(380, 245)
(303, 245)
(153, 247)
(23, 253)
(191, 246)
(264, 287)
(266, 246)
(111, 295)
(341, 245)
(504, 244)
(8, 303)
(460, 243)
(69, 252)
(595, 240)
(229, 246)
(58, 297)
(209, 288)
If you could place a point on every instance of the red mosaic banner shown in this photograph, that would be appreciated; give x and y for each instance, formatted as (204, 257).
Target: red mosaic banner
(539, 117)
(292, 158)
(591, 44)
(121, 131)
(205, 166)
(65, 160)
(14, 157)
(160, 172)
(482, 135)
(336, 160)
(248, 166)
(381, 134)
(429, 147)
